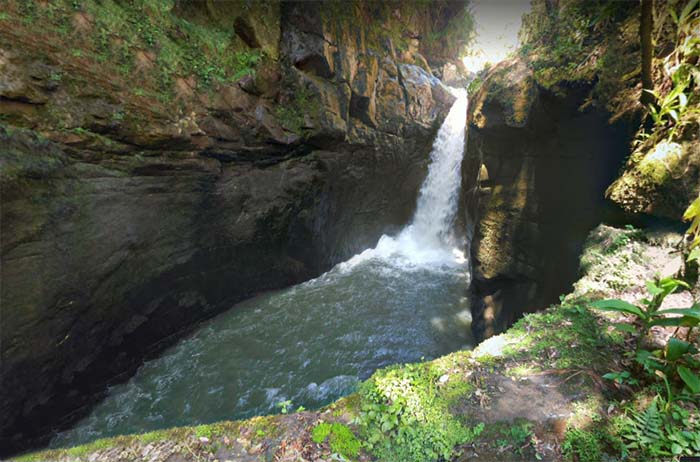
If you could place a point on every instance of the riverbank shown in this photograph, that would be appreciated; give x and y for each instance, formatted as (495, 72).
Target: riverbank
(536, 391)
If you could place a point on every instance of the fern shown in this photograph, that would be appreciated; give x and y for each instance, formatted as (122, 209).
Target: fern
(655, 433)
(646, 427)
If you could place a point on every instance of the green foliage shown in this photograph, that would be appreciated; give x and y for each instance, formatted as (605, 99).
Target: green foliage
(404, 417)
(122, 33)
(516, 435)
(655, 433)
(676, 359)
(285, 406)
(671, 109)
(648, 313)
(624, 239)
(673, 106)
(568, 41)
(341, 439)
(683, 18)
(609, 259)
(663, 427)
(581, 445)
(624, 377)
(556, 330)
(291, 115)
(692, 214)
(475, 85)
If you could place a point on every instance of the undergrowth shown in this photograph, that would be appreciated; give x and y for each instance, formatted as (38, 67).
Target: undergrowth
(142, 39)
(341, 439)
(405, 417)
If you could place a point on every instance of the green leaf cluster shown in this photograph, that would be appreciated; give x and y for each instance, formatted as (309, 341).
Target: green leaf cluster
(692, 214)
(655, 433)
(404, 417)
(648, 313)
(671, 108)
(340, 438)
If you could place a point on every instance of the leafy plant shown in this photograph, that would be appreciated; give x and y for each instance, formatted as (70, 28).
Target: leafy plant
(692, 214)
(623, 377)
(581, 445)
(676, 359)
(682, 19)
(648, 313)
(518, 435)
(658, 434)
(341, 439)
(404, 417)
(674, 105)
(285, 406)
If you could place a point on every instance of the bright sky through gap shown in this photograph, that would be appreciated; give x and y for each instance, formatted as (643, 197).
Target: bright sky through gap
(497, 27)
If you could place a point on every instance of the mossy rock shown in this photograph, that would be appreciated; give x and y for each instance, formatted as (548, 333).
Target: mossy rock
(661, 179)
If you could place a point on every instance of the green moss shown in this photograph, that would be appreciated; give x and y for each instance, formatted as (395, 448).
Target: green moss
(292, 114)
(654, 171)
(145, 38)
(264, 426)
(340, 438)
(550, 334)
(516, 434)
(580, 41)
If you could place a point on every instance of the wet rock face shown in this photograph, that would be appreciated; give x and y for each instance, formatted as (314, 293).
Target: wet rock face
(537, 171)
(120, 233)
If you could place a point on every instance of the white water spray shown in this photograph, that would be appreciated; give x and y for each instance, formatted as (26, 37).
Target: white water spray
(429, 239)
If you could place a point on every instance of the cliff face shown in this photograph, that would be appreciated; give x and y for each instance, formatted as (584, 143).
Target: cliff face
(147, 189)
(538, 171)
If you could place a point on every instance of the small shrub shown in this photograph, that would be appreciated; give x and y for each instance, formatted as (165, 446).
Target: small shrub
(404, 417)
(340, 438)
(581, 446)
(655, 433)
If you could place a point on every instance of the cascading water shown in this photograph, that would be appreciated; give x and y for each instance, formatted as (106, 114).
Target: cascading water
(437, 201)
(400, 302)
(428, 239)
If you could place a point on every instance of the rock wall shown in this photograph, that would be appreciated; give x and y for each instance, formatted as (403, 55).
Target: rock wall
(535, 177)
(126, 218)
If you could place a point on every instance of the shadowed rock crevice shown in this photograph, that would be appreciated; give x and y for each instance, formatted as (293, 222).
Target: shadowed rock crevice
(539, 166)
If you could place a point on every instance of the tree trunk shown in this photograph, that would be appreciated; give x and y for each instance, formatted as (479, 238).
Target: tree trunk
(646, 24)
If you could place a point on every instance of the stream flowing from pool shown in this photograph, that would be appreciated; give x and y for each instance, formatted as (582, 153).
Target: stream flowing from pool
(310, 344)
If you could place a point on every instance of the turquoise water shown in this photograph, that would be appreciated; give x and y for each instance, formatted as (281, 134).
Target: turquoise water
(308, 344)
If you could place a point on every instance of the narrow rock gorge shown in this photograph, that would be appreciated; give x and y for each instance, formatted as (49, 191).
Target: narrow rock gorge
(357, 230)
(538, 169)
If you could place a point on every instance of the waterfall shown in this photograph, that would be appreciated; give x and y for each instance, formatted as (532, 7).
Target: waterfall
(401, 302)
(437, 201)
(428, 240)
